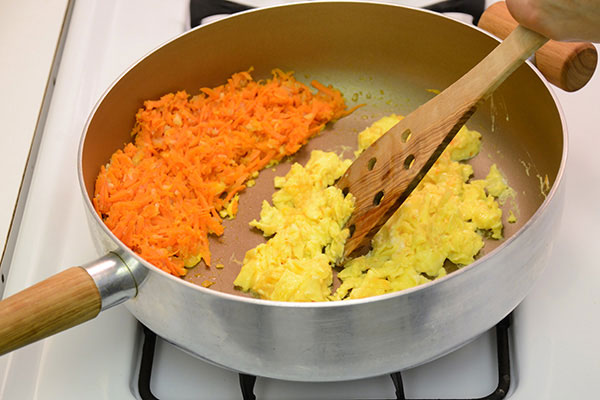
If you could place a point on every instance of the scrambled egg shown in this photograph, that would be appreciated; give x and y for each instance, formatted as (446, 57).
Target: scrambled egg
(445, 218)
(307, 224)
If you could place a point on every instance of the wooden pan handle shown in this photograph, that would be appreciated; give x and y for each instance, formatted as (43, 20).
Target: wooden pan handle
(568, 65)
(60, 302)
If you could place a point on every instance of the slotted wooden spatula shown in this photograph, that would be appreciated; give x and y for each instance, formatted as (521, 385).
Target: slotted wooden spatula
(383, 176)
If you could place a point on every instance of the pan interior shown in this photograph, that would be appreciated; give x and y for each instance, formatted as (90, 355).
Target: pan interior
(387, 57)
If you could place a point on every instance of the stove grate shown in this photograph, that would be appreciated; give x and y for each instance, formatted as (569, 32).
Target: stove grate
(201, 9)
(503, 351)
(247, 382)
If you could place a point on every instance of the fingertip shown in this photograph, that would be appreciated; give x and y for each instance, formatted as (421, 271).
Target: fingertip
(522, 11)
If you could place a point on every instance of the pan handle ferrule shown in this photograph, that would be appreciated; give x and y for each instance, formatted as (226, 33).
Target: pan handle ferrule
(114, 279)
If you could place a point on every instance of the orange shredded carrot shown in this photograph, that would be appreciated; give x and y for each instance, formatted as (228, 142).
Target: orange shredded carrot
(161, 195)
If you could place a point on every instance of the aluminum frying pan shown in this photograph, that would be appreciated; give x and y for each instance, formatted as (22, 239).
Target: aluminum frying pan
(383, 55)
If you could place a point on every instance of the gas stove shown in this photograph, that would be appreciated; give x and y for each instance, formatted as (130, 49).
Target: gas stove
(545, 350)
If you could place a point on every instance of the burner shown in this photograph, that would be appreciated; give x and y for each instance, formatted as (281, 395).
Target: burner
(247, 382)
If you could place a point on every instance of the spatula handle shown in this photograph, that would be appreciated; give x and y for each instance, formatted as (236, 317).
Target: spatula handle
(480, 82)
(568, 65)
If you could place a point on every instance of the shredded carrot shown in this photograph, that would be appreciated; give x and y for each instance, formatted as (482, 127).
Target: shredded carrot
(161, 195)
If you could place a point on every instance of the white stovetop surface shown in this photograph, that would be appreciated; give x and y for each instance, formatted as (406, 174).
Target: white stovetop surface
(29, 31)
(555, 327)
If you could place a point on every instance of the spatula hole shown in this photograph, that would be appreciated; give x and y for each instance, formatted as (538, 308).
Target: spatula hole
(408, 161)
(345, 191)
(377, 198)
(351, 228)
(405, 137)
(371, 164)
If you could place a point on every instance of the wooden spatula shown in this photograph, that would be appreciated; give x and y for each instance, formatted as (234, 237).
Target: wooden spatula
(383, 176)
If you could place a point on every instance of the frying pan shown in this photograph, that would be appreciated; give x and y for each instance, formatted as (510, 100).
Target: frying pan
(383, 55)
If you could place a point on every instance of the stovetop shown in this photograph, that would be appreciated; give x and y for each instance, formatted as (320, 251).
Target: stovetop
(552, 337)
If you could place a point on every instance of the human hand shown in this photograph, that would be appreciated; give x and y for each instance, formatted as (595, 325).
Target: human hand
(567, 20)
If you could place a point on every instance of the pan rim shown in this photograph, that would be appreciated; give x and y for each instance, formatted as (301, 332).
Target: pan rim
(533, 220)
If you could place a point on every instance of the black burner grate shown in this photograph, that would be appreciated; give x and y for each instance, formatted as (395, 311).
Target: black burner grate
(200, 9)
(503, 350)
(247, 382)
